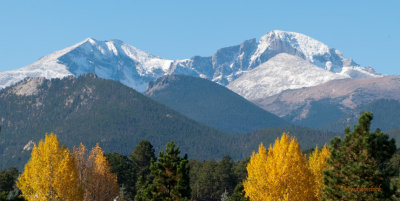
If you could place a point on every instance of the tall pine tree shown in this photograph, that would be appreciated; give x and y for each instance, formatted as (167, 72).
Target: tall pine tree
(170, 177)
(141, 158)
(357, 165)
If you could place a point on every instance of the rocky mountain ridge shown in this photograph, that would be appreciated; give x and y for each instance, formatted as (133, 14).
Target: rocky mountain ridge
(135, 68)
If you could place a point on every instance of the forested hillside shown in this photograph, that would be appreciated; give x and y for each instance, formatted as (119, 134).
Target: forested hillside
(211, 104)
(89, 110)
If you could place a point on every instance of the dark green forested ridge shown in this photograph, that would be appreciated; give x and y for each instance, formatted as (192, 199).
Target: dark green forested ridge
(211, 104)
(89, 110)
(386, 116)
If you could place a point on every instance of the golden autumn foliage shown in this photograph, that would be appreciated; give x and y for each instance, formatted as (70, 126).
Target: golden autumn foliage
(280, 174)
(50, 174)
(317, 163)
(99, 184)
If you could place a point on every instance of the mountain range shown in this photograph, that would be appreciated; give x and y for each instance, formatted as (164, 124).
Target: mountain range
(135, 68)
(255, 90)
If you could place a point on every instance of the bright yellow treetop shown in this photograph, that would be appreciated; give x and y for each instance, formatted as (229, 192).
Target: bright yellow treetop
(50, 174)
(317, 163)
(280, 174)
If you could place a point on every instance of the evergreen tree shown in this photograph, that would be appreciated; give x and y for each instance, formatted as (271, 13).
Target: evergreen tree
(203, 180)
(141, 158)
(170, 177)
(358, 164)
(240, 170)
(126, 174)
(395, 181)
(238, 194)
(225, 178)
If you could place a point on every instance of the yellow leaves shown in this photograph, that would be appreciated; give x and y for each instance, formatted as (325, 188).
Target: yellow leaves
(317, 163)
(96, 178)
(50, 174)
(53, 173)
(102, 183)
(280, 174)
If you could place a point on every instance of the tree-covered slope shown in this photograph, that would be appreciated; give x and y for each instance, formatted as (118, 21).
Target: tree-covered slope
(90, 110)
(386, 115)
(211, 104)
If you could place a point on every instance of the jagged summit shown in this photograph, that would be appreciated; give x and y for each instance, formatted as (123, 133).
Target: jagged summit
(135, 68)
(312, 50)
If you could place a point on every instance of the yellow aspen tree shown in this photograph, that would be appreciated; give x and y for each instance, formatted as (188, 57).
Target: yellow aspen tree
(50, 174)
(317, 163)
(280, 174)
(101, 184)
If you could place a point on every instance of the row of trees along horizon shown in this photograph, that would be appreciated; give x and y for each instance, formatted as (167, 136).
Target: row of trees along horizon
(362, 166)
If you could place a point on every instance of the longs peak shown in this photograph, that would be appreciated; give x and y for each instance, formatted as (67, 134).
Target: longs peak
(135, 68)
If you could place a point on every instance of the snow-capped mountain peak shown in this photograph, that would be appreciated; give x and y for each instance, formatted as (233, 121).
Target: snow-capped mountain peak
(112, 59)
(312, 50)
(135, 68)
(307, 45)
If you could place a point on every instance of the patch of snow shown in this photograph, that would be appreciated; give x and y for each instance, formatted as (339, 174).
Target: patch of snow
(359, 72)
(111, 47)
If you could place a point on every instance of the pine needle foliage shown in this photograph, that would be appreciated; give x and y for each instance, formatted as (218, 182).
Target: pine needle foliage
(358, 164)
(170, 175)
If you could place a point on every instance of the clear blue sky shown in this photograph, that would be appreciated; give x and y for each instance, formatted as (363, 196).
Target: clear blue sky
(176, 29)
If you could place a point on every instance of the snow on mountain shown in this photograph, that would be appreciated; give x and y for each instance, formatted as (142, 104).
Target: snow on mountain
(283, 71)
(108, 59)
(135, 68)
